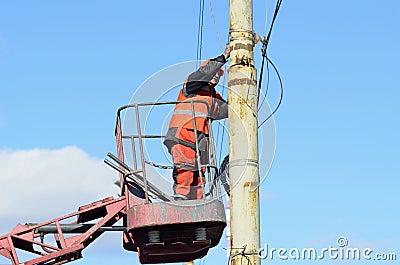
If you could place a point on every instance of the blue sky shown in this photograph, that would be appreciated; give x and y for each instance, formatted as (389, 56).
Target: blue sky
(66, 66)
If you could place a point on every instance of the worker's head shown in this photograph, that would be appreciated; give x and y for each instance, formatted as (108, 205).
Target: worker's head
(217, 76)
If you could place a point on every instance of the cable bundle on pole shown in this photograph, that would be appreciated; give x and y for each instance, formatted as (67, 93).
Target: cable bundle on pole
(265, 42)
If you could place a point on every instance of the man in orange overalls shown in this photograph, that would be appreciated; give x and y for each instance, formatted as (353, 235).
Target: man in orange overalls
(199, 88)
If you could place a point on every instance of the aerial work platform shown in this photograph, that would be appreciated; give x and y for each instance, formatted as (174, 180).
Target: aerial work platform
(158, 228)
(166, 230)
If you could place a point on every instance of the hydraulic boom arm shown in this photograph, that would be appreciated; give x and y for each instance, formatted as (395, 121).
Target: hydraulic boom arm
(62, 249)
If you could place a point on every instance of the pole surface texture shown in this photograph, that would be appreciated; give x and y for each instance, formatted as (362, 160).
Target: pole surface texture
(243, 137)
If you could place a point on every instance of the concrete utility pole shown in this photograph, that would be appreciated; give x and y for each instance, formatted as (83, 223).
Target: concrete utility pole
(243, 137)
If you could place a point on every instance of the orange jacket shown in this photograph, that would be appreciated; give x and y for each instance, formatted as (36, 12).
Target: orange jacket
(203, 106)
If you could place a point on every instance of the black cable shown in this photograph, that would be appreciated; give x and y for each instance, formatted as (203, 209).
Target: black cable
(263, 54)
(200, 32)
(219, 124)
(266, 89)
(277, 7)
(224, 122)
(201, 29)
(265, 42)
(281, 97)
(265, 45)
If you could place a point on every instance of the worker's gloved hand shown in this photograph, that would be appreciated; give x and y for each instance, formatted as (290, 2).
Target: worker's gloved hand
(227, 51)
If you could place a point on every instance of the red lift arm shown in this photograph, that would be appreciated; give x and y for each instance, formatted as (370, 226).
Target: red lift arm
(30, 237)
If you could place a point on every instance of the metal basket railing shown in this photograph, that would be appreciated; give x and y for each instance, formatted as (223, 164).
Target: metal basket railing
(133, 144)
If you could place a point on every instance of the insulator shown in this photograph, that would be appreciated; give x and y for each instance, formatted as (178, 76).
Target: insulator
(200, 234)
(154, 236)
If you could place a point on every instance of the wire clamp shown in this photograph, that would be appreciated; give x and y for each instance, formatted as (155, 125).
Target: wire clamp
(251, 35)
(243, 162)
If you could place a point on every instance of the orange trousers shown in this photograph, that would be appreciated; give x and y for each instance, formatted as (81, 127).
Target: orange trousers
(187, 180)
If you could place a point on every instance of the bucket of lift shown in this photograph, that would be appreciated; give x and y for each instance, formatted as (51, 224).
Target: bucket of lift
(175, 231)
(159, 228)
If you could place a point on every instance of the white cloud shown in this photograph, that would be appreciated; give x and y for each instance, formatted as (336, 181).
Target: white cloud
(39, 185)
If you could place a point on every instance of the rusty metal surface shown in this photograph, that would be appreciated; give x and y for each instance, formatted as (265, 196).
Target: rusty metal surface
(176, 224)
(174, 213)
(241, 81)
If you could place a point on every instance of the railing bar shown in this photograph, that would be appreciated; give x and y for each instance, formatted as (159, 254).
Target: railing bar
(141, 152)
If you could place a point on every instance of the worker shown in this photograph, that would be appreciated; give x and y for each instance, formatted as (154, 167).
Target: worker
(199, 88)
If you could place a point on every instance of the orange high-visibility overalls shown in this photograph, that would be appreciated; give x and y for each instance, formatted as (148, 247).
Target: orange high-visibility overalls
(203, 104)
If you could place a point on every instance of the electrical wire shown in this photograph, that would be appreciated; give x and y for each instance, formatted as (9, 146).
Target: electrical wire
(200, 33)
(264, 55)
(215, 26)
(223, 125)
(266, 16)
(277, 7)
(264, 48)
(281, 96)
(266, 87)
(224, 122)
